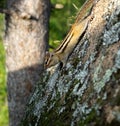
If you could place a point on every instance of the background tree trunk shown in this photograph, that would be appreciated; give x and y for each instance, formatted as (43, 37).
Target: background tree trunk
(26, 37)
(87, 91)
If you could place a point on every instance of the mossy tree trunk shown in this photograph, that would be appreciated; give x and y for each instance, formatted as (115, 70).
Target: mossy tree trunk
(26, 37)
(87, 91)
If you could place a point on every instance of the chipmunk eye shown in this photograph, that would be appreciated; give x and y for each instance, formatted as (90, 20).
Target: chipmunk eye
(52, 55)
(45, 62)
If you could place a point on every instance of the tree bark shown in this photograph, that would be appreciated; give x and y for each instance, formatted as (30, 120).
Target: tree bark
(87, 91)
(26, 37)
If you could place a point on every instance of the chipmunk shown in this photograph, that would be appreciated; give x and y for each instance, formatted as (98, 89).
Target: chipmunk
(61, 54)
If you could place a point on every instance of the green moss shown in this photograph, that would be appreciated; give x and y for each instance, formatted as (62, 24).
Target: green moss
(3, 3)
(91, 118)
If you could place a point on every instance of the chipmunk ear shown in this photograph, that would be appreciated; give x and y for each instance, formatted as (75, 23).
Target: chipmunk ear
(47, 54)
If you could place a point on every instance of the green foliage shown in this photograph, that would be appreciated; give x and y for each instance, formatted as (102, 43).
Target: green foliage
(3, 95)
(61, 20)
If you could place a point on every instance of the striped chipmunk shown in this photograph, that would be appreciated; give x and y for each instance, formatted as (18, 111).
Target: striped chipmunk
(61, 54)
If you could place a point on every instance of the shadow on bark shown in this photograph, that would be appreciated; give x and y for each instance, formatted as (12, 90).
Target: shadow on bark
(21, 83)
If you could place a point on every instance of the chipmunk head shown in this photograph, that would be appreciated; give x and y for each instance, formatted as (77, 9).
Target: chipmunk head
(51, 59)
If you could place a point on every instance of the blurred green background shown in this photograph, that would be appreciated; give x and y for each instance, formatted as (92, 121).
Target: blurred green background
(62, 19)
(60, 22)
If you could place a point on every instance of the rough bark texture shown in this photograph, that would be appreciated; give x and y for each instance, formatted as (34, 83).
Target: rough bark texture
(26, 36)
(87, 91)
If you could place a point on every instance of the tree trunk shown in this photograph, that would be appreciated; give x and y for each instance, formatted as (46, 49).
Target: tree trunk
(26, 37)
(87, 91)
